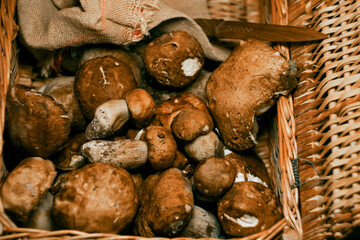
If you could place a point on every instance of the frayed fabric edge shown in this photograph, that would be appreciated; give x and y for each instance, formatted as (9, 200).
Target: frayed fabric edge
(146, 12)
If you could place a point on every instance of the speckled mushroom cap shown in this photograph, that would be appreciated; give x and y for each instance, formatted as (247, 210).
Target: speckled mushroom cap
(167, 204)
(174, 59)
(162, 147)
(167, 110)
(213, 177)
(98, 197)
(102, 79)
(248, 208)
(26, 185)
(36, 123)
(62, 90)
(188, 124)
(243, 85)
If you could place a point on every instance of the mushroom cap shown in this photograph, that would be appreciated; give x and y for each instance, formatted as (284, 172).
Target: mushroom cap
(167, 110)
(204, 146)
(188, 124)
(213, 177)
(249, 167)
(62, 90)
(26, 185)
(252, 75)
(168, 207)
(98, 197)
(161, 147)
(248, 208)
(36, 123)
(102, 79)
(141, 106)
(174, 59)
(69, 158)
(127, 57)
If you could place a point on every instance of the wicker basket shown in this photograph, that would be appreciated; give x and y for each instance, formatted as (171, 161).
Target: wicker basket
(318, 122)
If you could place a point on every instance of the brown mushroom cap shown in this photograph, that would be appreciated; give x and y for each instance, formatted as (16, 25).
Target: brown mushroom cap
(127, 57)
(167, 110)
(248, 208)
(161, 146)
(26, 185)
(188, 124)
(204, 146)
(174, 59)
(168, 206)
(252, 75)
(62, 90)
(68, 158)
(37, 124)
(141, 106)
(102, 79)
(98, 197)
(249, 167)
(213, 177)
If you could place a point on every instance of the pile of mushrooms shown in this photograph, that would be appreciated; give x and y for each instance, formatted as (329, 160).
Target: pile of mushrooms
(105, 153)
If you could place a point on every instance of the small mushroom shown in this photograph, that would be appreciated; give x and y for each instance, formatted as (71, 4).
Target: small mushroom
(248, 208)
(203, 147)
(162, 147)
(26, 186)
(203, 224)
(62, 90)
(141, 106)
(109, 117)
(125, 153)
(213, 177)
(98, 197)
(174, 59)
(188, 124)
(166, 111)
(36, 123)
(100, 80)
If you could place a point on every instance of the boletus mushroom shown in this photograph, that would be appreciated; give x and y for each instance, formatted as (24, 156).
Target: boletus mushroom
(174, 59)
(36, 123)
(244, 86)
(98, 197)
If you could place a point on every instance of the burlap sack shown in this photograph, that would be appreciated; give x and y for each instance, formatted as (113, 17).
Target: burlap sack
(54, 24)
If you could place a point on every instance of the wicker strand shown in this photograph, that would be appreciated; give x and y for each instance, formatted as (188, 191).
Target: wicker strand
(286, 134)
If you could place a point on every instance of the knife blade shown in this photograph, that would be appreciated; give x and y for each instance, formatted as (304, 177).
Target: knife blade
(222, 29)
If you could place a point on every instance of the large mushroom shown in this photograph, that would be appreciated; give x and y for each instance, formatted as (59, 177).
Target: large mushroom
(26, 186)
(98, 197)
(36, 123)
(245, 86)
(102, 79)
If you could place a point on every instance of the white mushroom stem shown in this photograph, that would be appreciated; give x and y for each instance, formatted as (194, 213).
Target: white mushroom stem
(126, 153)
(109, 118)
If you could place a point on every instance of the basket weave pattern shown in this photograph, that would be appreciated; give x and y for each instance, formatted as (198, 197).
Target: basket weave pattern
(319, 122)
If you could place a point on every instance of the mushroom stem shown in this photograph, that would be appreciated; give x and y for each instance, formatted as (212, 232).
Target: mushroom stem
(109, 118)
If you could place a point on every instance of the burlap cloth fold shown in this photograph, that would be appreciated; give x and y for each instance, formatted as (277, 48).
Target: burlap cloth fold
(54, 24)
